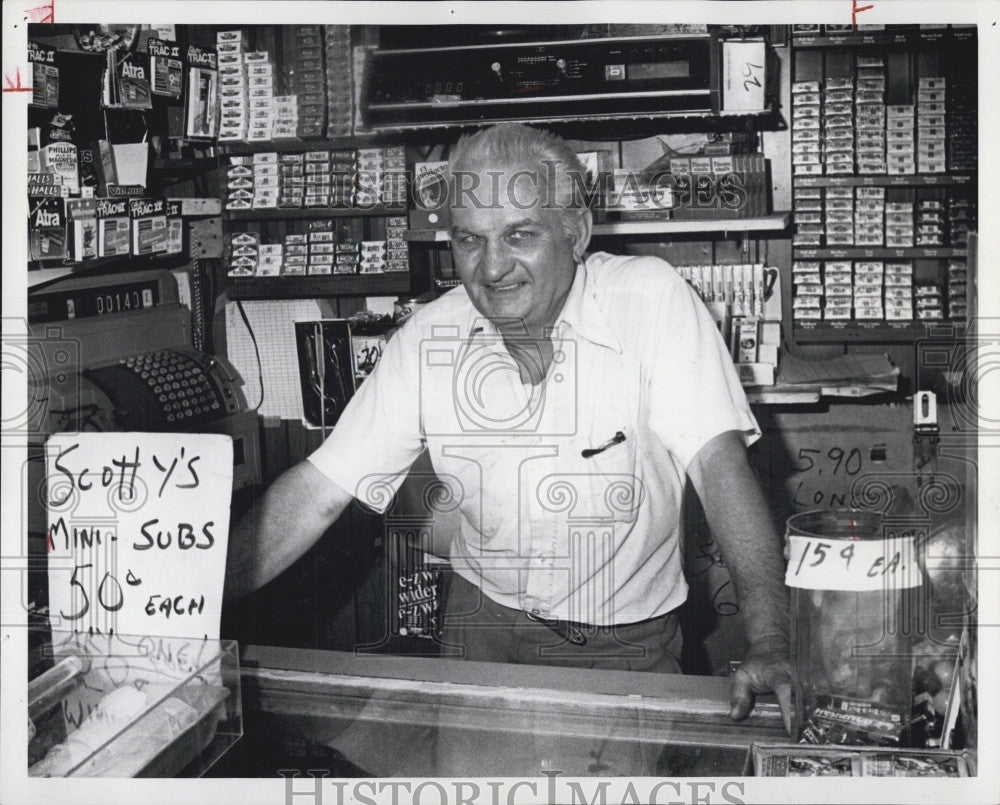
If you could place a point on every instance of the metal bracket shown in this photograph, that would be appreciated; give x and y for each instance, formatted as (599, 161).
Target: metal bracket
(205, 239)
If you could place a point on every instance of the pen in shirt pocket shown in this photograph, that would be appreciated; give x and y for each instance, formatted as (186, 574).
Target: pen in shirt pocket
(618, 438)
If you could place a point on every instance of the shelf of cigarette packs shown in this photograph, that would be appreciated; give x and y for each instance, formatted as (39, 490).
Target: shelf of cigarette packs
(316, 222)
(882, 208)
(69, 234)
(881, 36)
(775, 222)
(301, 88)
(310, 210)
(319, 256)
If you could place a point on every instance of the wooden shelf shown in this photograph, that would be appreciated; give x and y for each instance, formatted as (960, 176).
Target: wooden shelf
(305, 287)
(410, 129)
(48, 273)
(781, 395)
(876, 333)
(775, 222)
(43, 276)
(183, 165)
(862, 38)
(874, 253)
(907, 180)
(293, 145)
(271, 214)
(807, 395)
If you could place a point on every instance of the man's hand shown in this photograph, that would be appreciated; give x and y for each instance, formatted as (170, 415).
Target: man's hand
(765, 669)
(740, 521)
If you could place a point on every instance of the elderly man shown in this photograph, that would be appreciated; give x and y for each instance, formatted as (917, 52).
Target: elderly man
(565, 399)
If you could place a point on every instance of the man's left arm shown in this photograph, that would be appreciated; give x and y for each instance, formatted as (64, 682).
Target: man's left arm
(741, 523)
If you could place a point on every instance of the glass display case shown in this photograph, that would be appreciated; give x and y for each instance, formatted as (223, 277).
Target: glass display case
(849, 575)
(384, 716)
(131, 706)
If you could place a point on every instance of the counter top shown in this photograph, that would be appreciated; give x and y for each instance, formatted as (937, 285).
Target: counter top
(367, 702)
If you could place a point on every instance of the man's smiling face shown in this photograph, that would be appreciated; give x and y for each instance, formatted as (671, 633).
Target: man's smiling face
(516, 260)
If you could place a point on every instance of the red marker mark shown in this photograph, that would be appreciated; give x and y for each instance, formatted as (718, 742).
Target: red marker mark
(854, 535)
(44, 14)
(855, 10)
(49, 546)
(15, 85)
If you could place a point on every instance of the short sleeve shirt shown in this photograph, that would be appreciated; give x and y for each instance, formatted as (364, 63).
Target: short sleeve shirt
(560, 515)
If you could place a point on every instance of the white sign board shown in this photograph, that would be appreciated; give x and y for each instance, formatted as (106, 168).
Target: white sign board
(137, 532)
(853, 565)
(744, 76)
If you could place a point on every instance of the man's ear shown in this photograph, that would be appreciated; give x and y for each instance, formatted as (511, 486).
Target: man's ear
(579, 224)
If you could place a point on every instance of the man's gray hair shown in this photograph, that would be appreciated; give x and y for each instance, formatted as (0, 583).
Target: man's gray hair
(561, 177)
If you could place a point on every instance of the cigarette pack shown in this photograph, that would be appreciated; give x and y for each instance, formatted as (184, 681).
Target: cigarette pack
(269, 267)
(242, 267)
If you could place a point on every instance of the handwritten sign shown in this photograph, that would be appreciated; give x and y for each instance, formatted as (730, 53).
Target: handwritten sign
(137, 531)
(824, 474)
(744, 76)
(853, 565)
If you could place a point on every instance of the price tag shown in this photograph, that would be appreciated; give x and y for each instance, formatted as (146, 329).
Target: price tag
(744, 67)
(137, 532)
(853, 565)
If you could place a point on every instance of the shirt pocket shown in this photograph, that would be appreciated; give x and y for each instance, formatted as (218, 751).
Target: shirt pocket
(611, 476)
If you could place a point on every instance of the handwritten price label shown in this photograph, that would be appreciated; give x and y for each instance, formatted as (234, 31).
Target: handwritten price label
(853, 565)
(137, 532)
(744, 76)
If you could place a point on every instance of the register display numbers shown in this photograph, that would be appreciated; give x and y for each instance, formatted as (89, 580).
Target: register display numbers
(87, 302)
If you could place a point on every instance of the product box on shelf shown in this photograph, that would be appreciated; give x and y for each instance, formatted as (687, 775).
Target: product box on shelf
(810, 760)
(47, 228)
(81, 219)
(113, 227)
